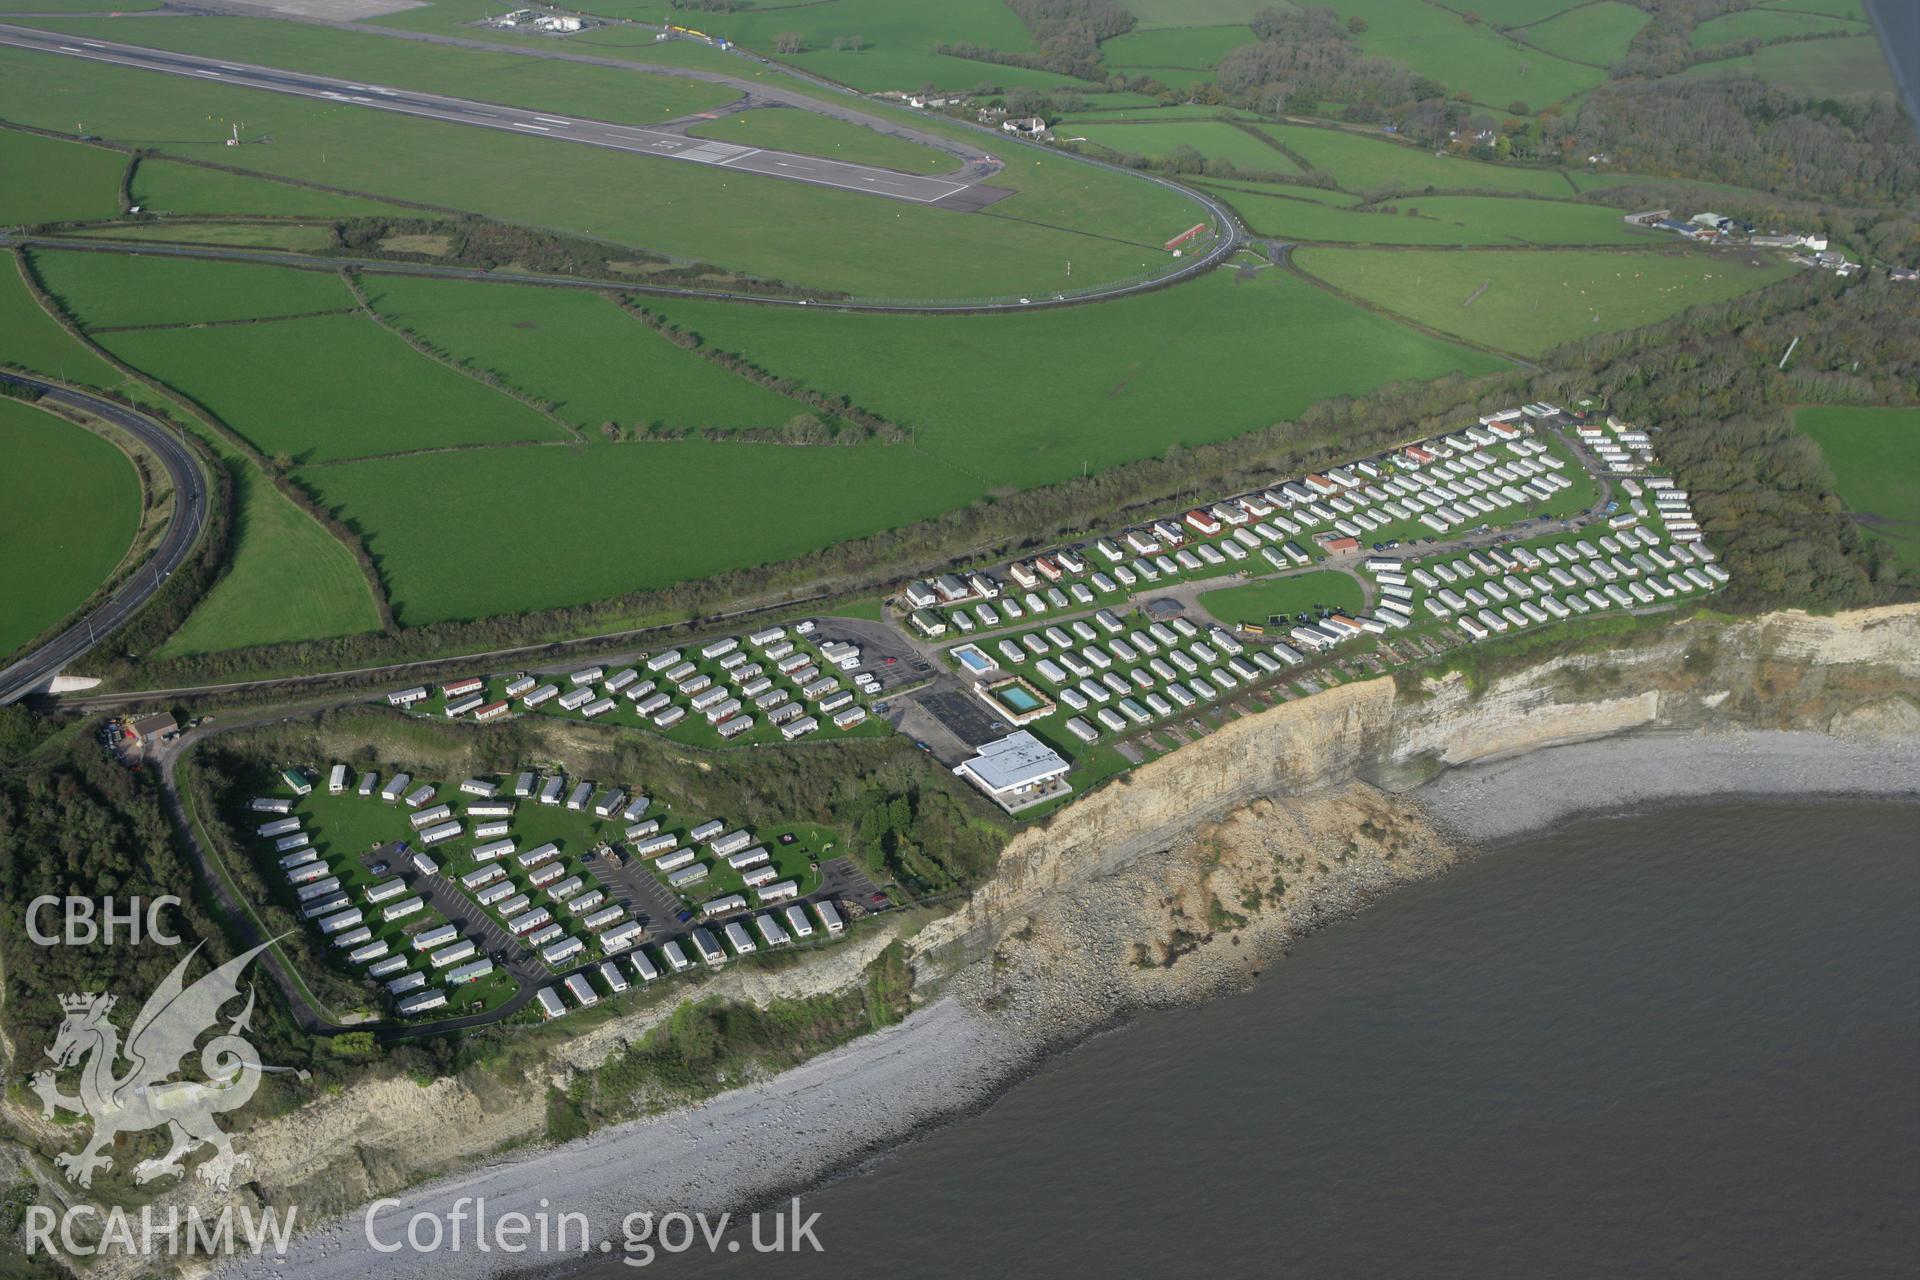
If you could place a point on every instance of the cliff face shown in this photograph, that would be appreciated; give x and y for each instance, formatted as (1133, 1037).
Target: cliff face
(1850, 673)
(1174, 881)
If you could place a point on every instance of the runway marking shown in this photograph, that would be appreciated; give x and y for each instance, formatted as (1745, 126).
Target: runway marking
(815, 171)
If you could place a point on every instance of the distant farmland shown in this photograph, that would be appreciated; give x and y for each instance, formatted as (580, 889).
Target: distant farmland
(580, 351)
(49, 180)
(1300, 214)
(991, 401)
(1529, 302)
(168, 186)
(69, 506)
(290, 580)
(112, 290)
(33, 341)
(1875, 456)
(1107, 225)
(1031, 399)
(328, 387)
(486, 531)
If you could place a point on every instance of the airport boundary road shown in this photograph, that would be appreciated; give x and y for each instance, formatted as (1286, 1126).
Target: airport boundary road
(39, 667)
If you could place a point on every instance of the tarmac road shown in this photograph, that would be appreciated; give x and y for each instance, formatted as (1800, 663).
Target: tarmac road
(183, 530)
(964, 192)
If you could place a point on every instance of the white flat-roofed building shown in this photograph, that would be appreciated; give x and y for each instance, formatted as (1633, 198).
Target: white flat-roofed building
(1016, 771)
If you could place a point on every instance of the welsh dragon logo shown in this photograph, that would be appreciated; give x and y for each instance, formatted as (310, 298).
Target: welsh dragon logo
(146, 1096)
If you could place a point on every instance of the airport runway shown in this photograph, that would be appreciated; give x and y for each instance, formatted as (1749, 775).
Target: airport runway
(963, 194)
(37, 669)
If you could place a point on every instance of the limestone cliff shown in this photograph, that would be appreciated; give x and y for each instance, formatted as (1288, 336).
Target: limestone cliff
(1854, 672)
(1182, 877)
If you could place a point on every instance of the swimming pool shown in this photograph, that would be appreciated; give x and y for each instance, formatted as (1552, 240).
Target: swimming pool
(1016, 698)
(973, 659)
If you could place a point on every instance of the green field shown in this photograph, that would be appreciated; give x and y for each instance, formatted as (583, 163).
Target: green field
(1533, 301)
(1032, 399)
(292, 237)
(328, 387)
(31, 339)
(8, 7)
(288, 580)
(1834, 8)
(1436, 220)
(1154, 14)
(812, 134)
(541, 528)
(1772, 24)
(601, 93)
(1823, 68)
(1536, 300)
(1175, 56)
(1359, 162)
(1589, 32)
(578, 350)
(1875, 456)
(1256, 601)
(48, 180)
(1521, 13)
(1108, 225)
(1213, 139)
(1469, 58)
(1332, 197)
(167, 186)
(897, 36)
(69, 507)
(111, 290)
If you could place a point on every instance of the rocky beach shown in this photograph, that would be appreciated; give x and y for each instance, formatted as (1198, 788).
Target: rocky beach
(1185, 880)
